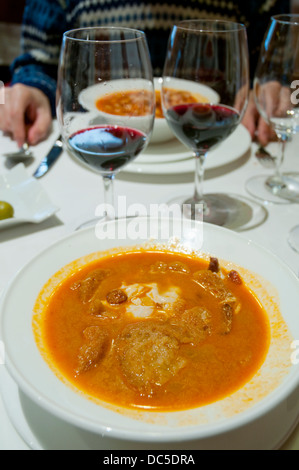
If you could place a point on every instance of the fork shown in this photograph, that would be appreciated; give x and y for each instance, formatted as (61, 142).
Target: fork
(265, 158)
(22, 154)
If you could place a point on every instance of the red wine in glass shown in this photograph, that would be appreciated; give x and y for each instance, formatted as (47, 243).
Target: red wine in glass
(107, 148)
(202, 126)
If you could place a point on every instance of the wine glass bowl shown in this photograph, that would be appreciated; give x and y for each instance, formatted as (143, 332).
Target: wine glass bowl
(161, 131)
(175, 89)
(116, 61)
(213, 55)
(106, 102)
(117, 100)
(275, 77)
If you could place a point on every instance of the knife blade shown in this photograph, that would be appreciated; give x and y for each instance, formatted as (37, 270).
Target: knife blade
(50, 158)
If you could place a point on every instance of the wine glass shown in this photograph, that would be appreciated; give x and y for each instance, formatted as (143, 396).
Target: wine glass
(293, 238)
(105, 100)
(275, 94)
(209, 60)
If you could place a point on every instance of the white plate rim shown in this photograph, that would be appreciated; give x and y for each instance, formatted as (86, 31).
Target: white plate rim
(232, 149)
(17, 416)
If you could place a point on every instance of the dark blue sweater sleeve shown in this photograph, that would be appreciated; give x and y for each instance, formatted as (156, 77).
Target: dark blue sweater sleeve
(44, 23)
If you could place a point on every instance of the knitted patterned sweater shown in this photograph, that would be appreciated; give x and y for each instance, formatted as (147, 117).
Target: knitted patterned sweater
(45, 21)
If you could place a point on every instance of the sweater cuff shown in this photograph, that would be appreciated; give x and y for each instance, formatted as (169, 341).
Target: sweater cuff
(30, 76)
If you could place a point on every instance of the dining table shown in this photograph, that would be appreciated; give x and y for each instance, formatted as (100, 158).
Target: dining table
(72, 193)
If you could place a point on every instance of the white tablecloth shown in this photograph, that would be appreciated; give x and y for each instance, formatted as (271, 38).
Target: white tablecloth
(77, 191)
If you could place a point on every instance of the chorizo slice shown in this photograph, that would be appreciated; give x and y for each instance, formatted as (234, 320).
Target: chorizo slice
(116, 297)
(235, 277)
(214, 264)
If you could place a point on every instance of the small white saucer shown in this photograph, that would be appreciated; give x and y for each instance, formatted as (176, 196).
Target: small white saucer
(26, 195)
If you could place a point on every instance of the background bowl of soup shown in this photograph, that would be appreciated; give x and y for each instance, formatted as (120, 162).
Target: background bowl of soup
(257, 415)
(120, 98)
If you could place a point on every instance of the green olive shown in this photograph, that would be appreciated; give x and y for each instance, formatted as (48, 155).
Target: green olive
(6, 210)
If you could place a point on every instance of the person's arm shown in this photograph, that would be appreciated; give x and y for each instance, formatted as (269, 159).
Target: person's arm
(26, 114)
(255, 124)
(30, 99)
(30, 72)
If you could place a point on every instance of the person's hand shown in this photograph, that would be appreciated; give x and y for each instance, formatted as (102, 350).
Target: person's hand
(25, 114)
(255, 124)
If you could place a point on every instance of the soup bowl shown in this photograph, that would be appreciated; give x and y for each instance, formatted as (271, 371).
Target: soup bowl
(259, 415)
(90, 99)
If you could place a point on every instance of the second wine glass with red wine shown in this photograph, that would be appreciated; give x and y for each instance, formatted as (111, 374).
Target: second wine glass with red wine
(105, 99)
(206, 60)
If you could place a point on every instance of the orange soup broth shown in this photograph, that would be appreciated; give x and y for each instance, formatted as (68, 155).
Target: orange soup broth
(139, 103)
(214, 369)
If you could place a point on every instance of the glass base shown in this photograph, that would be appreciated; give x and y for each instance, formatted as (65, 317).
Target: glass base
(294, 238)
(227, 210)
(273, 189)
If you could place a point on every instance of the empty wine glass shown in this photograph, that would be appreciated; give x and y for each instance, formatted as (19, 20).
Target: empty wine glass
(105, 99)
(209, 60)
(275, 78)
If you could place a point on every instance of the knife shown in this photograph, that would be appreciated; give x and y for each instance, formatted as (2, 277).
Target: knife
(48, 161)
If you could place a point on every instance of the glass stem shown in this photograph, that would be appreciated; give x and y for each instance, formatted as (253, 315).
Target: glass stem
(109, 197)
(279, 161)
(276, 182)
(200, 158)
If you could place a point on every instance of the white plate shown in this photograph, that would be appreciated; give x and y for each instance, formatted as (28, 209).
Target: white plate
(26, 195)
(29, 421)
(88, 96)
(173, 157)
(235, 421)
(41, 430)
